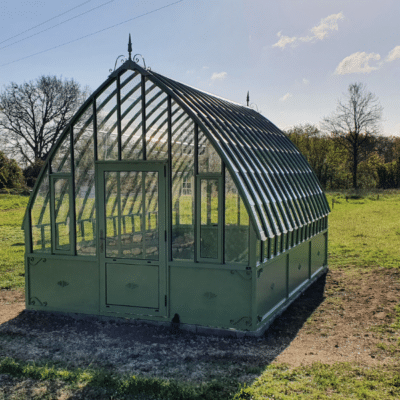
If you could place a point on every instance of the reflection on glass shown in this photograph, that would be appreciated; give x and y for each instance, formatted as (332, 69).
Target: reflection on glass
(131, 208)
(61, 217)
(209, 218)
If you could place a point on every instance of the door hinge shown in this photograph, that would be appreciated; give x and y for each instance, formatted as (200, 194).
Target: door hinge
(165, 302)
(165, 236)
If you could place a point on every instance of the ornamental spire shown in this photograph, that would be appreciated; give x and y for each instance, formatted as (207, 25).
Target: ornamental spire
(130, 47)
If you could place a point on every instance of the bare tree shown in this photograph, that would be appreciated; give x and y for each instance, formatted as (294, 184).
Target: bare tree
(355, 124)
(34, 114)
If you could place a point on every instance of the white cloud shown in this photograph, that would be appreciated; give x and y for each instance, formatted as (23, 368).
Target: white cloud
(393, 54)
(319, 32)
(205, 67)
(218, 76)
(326, 25)
(285, 97)
(306, 81)
(284, 40)
(357, 63)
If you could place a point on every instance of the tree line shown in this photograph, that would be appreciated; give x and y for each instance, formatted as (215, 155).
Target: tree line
(348, 150)
(378, 159)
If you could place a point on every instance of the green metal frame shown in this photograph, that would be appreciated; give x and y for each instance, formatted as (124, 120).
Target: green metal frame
(282, 197)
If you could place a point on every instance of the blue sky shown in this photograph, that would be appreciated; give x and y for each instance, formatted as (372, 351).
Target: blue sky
(296, 57)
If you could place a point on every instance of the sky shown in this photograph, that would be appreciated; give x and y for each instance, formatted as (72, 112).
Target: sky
(296, 58)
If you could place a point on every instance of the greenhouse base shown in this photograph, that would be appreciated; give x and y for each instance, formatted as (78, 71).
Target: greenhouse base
(266, 322)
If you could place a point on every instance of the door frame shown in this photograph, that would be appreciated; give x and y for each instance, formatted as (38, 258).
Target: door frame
(140, 166)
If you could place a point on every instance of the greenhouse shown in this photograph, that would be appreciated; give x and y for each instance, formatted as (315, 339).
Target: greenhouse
(161, 201)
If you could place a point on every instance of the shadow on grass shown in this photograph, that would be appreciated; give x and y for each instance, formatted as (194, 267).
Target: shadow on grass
(123, 348)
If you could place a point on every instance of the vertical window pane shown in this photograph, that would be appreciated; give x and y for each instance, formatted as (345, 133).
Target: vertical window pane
(272, 247)
(182, 161)
(236, 224)
(266, 248)
(112, 221)
(85, 205)
(62, 214)
(40, 217)
(131, 214)
(278, 239)
(107, 129)
(151, 215)
(131, 116)
(61, 161)
(258, 251)
(209, 218)
(132, 229)
(208, 158)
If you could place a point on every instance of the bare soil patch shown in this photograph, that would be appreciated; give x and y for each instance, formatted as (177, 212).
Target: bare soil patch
(345, 316)
(350, 323)
(12, 302)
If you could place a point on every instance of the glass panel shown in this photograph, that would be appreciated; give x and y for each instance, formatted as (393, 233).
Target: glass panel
(107, 129)
(61, 161)
(277, 244)
(272, 247)
(209, 218)
(209, 160)
(111, 206)
(182, 155)
(131, 214)
(85, 205)
(131, 206)
(151, 215)
(156, 123)
(62, 214)
(131, 116)
(236, 224)
(266, 250)
(258, 251)
(40, 217)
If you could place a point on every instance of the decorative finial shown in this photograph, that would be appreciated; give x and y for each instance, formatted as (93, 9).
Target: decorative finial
(248, 99)
(130, 47)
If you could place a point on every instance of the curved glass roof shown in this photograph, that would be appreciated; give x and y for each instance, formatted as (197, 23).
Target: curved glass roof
(277, 185)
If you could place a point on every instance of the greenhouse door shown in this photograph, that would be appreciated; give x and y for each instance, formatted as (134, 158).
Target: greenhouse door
(132, 232)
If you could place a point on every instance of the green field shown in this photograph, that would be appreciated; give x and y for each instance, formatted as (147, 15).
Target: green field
(363, 233)
(12, 209)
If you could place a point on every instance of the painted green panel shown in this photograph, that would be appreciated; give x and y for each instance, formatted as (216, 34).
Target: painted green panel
(298, 265)
(271, 285)
(318, 251)
(132, 285)
(65, 284)
(206, 296)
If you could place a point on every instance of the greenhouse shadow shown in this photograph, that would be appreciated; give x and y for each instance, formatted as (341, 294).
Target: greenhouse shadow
(142, 349)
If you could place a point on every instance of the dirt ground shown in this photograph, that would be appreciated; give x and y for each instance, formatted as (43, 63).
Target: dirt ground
(344, 316)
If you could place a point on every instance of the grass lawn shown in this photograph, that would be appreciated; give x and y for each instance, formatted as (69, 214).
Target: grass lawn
(364, 233)
(12, 249)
